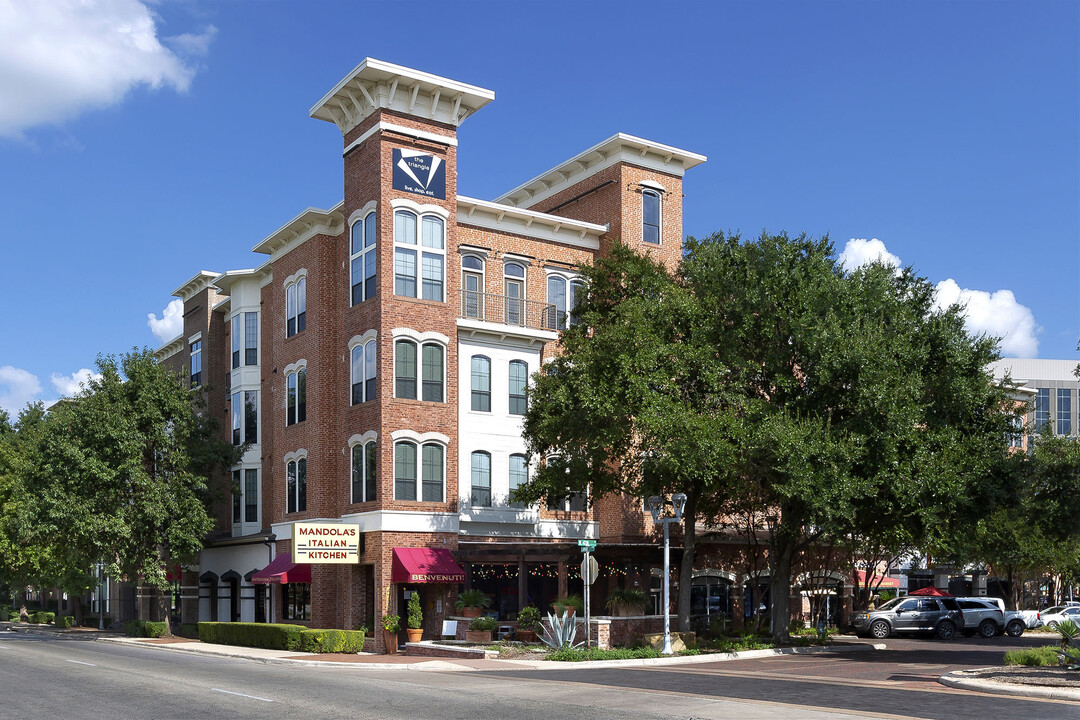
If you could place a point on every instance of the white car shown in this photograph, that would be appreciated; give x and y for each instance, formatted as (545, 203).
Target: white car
(1053, 615)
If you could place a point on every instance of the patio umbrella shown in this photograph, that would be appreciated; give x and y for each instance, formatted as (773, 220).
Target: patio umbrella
(930, 592)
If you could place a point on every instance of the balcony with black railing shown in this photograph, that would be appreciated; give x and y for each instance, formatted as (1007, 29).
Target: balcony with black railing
(511, 311)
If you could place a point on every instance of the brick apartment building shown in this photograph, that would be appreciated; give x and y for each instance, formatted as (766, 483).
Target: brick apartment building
(376, 360)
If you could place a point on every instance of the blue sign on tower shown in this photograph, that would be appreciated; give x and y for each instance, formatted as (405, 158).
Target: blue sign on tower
(419, 172)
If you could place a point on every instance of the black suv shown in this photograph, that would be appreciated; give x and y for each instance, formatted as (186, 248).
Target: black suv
(939, 616)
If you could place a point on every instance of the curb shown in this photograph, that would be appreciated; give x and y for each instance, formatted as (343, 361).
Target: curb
(444, 665)
(965, 680)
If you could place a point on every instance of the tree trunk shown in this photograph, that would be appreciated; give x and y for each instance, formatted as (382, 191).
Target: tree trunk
(77, 609)
(164, 603)
(686, 567)
(780, 588)
(20, 602)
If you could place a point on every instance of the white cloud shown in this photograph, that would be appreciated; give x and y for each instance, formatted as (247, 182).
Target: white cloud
(17, 388)
(70, 385)
(171, 323)
(860, 251)
(193, 44)
(997, 314)
(62, 57)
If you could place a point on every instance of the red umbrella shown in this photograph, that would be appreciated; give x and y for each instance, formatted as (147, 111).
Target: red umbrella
(931, 592)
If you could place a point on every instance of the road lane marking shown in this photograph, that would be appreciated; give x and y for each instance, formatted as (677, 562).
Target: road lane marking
(230, 692)
(80, 662)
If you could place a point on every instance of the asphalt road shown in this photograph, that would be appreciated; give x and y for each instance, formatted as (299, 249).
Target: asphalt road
(47, 677)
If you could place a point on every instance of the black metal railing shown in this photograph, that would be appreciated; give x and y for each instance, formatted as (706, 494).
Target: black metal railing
(510, 311)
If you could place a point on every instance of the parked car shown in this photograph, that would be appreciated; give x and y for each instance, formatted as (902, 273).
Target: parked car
(939, 616)
(1053, 615)
(982, 615)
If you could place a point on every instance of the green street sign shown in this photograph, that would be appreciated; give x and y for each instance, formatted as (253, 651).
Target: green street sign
(587, 545)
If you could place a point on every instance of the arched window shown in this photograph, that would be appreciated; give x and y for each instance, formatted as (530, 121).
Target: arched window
(362, 259)
(427, 464)
(556, 297)
(296, 485)
(519, 374)
(364, 463)
(426, 269)
(431, 369)
(481, 383)
(296, 396)
(514, 290)
(481, 479)
(650, 216)
(295, 307)
(362, 370)
(472, 283)
(519, 475)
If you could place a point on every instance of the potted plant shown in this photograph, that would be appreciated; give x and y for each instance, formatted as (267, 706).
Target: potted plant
(626, 602)
(480, 630)
(471, 603)
(528, 623)
(391, 625)
(570, 604)
(416, 618)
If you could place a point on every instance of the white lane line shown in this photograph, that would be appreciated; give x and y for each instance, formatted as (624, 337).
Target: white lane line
(80, 662)
(230, 692)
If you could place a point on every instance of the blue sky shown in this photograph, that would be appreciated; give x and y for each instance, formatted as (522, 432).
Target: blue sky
(141, 143)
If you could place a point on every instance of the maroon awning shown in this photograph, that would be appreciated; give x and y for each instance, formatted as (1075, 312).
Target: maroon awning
(930, 591)
(425, 565)
(174, 572)
(283, 570)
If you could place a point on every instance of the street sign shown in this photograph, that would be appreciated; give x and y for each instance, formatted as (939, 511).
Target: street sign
(589, 569)
(586, 545)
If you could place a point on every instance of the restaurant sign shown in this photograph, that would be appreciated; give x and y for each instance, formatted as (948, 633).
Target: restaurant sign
(326, 543)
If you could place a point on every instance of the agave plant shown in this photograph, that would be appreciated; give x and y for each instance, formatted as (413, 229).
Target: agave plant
(1069, 654)
(559, 632)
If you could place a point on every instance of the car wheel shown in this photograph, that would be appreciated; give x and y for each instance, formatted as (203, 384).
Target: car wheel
(987, 628)
(1015, 628)
(879, 629)
(946, 630)
(1053, 624)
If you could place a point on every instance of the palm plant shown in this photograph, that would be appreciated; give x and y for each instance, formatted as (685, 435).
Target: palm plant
(559, 632)
(1069, 654)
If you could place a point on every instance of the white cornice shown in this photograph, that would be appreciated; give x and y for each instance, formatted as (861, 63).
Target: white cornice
(198, 283)
(400, 130)
(226, 280)
(509, 219)
(169, 349)
(301, 228)
(617, 148)
(374, 84)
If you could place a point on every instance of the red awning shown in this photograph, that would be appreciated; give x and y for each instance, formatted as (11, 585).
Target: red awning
(890, 583)
(283, 570)
(174, 572)
(425, 565)
(930, 591)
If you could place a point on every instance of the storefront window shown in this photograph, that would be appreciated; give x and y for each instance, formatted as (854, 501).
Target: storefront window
(296, 601)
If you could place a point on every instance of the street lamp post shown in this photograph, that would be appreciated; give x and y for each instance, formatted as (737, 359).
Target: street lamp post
(656, 507)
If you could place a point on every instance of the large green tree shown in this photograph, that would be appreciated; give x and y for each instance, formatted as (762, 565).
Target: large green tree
(842, 404)
(112, 478)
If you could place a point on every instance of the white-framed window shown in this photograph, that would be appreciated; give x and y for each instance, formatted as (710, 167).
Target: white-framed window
(419, 255)
(419, 365)
(650, 216)
(519, 377)
(296, 482)
(295, 395)
(234, 340)
(514, 293)
(481, 383)
(519, 475)
(246, 495)
(481, 479)
(196, 363)
(424, 462)
(363, 258)
(1064, 411)
(363, 370)
(244, 414)
(296, 306)
(472, 283)
(563, 294)
(363, 485)
(236, 416)
(251, 338)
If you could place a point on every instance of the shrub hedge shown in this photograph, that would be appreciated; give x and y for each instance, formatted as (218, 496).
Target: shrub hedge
(188, 630)
(275, 636)
(66, 621)
(42, 617)
(1039, 656)
(13, 615)
(332, 641)
(568, 654)
(144, 628)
